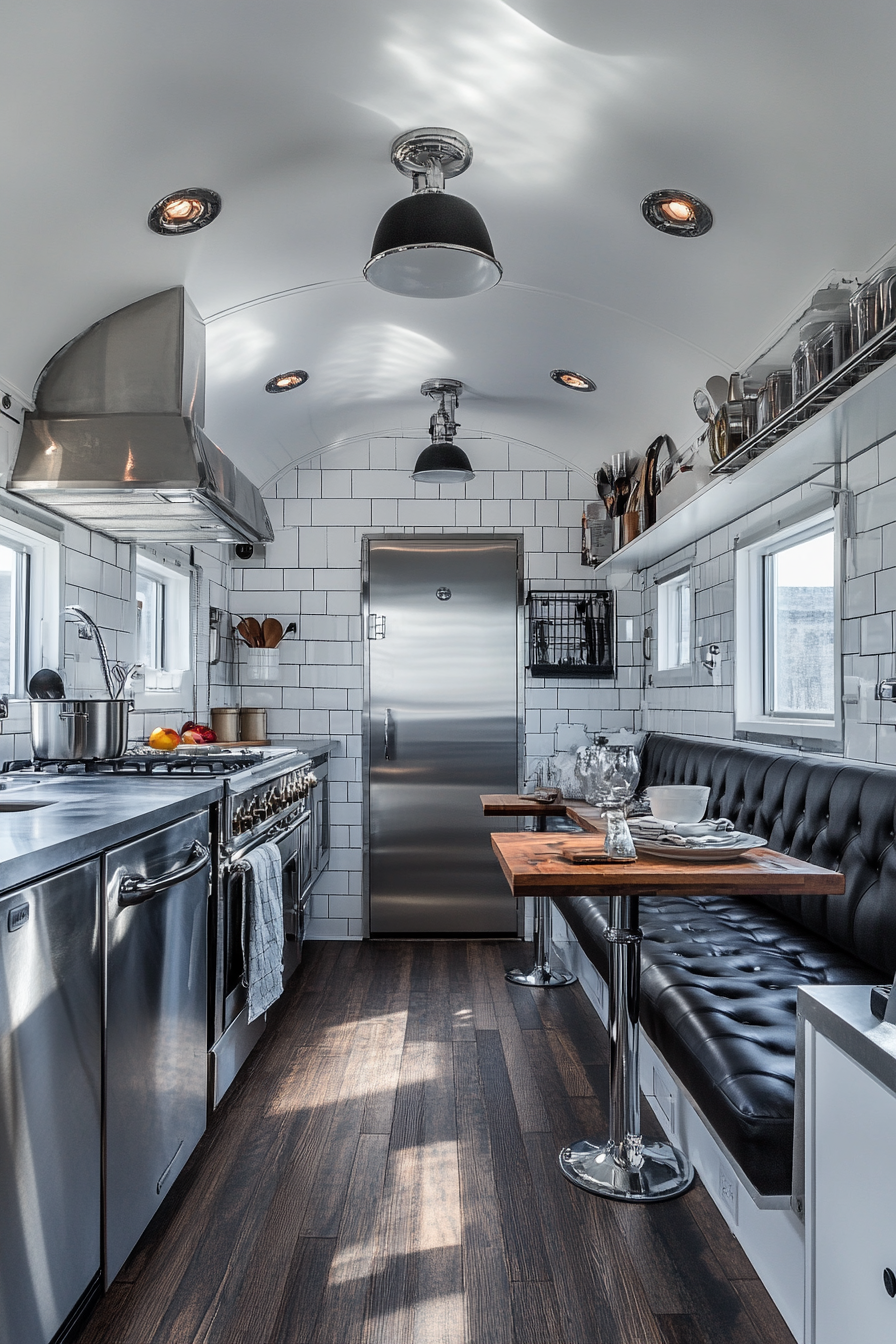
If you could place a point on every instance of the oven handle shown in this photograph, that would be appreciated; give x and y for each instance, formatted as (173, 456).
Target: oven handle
(133, 890)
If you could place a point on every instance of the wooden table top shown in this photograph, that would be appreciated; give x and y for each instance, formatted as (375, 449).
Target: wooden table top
(533, 864)
(521, 805)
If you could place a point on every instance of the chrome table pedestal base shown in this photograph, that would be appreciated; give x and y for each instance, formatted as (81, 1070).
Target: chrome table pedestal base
(623, 1166)
(542, 974)
(663, 1172)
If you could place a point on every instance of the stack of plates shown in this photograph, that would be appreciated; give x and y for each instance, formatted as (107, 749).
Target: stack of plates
(736, 843)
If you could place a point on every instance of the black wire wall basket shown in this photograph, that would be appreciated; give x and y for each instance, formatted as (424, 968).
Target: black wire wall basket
(570, 634)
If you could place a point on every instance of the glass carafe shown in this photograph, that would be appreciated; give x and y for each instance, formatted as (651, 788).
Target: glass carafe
(609, 774)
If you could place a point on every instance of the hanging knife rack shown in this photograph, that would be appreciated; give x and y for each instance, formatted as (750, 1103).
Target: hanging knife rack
(570, 634)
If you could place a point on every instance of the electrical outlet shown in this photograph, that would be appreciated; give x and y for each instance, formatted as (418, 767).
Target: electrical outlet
(728, 1191)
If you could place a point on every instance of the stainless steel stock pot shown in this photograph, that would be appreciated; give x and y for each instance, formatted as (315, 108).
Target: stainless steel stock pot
(79, 730)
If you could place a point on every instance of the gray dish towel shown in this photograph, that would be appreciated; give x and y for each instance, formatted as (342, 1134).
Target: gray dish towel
(264, 901)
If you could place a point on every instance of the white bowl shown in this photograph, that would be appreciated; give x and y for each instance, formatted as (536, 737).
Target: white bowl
(678, 802)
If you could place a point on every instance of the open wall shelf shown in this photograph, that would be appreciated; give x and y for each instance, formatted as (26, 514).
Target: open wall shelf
(858, 418)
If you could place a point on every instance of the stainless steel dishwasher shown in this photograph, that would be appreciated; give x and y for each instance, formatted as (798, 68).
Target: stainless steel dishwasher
(157, 900)
(50, 1059)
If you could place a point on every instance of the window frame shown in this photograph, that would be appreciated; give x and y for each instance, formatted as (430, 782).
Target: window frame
(39, 596)
(753, 668)
(170, 686)
(678, 674)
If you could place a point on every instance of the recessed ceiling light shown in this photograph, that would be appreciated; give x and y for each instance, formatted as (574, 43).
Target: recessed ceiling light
(185, 211)
(577, 381)
(677, 212)
(285, 382)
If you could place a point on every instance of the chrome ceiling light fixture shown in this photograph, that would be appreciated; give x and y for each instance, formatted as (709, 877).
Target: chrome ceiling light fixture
(677, 212)
(184, 211)
(443, 463)
(431, 245)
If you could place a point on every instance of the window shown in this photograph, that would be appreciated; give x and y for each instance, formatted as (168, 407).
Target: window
(799, 628)
(787, 611)
(673, 617)
(13, 617)
(163, 627)
(29, 588)
(150, 621)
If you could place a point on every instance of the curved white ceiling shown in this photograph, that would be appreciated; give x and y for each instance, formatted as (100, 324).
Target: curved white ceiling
(776, 115)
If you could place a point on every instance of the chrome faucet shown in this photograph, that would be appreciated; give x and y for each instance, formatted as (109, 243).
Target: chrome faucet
(81, 615)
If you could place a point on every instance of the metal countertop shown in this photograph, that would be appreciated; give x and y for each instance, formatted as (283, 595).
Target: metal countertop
(86, 815)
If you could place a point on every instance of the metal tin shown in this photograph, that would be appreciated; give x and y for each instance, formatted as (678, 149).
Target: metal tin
(253, 725)
(226, 724)
(79, 730)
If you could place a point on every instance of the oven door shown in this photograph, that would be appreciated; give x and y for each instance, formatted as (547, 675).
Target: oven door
(304, 869)
(233, 989)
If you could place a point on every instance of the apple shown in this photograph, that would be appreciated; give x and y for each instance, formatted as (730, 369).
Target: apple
(198, 733)
(164, 739)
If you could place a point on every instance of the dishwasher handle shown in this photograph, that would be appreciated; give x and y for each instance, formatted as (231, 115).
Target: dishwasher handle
(133, 890)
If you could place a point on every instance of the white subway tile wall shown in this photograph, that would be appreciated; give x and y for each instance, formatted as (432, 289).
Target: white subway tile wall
(99, 576)
(311, 575)
(706, 708)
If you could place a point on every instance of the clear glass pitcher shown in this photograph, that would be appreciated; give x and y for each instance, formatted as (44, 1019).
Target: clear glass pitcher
(609, 773)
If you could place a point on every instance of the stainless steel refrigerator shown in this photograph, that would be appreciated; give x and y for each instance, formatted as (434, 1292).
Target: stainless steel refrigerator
(443, 724)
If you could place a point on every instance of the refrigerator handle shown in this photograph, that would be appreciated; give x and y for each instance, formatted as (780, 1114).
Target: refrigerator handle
(388, 741)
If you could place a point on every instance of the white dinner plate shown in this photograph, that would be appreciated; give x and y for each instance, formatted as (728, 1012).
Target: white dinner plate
(712, 853)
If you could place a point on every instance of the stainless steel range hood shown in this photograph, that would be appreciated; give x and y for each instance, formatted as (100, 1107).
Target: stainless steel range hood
(116, 439)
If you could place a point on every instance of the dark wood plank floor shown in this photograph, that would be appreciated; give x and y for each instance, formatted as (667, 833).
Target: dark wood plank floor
(385, 1171)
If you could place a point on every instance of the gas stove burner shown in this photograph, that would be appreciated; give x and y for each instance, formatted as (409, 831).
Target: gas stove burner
(151, 762)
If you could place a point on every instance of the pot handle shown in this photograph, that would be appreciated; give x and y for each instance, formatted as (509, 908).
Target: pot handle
(133, 890)
(74, 714)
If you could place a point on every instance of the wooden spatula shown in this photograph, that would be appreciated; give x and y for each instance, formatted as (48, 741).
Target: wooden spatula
(243, 630)
(272, 631)
(255, 631)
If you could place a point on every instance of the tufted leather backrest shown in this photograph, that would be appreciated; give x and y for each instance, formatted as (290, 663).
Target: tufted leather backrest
(834, 814)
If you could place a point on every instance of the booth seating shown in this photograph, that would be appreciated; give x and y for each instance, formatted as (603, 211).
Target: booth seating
(720, 974)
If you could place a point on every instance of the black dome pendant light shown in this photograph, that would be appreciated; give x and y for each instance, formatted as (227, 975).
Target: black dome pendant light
(431, 245)
(443, 463)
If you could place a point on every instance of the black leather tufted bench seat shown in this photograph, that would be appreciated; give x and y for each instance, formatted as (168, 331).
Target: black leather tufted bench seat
(720, 974)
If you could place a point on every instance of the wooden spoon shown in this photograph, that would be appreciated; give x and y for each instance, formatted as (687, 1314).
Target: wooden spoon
(255, 631)
(272, 631)
(243, 630)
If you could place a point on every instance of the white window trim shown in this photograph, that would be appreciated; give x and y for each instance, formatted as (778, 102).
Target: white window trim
(170, 687)
(46, 597)
(749, 598)
(683, 674)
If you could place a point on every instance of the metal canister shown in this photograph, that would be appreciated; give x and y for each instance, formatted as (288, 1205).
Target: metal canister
(872, 307)
(226, 724)
(775, 397)
(253, 725)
